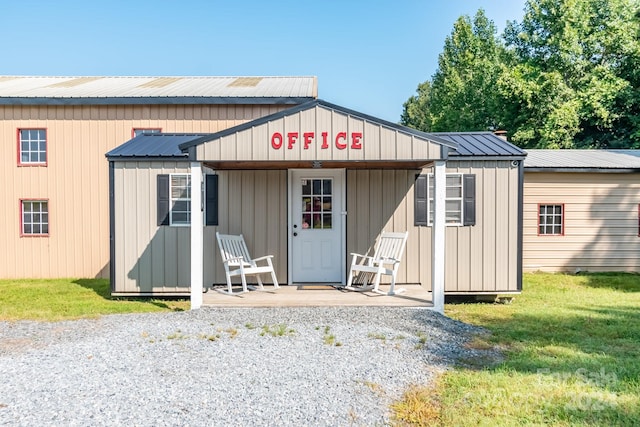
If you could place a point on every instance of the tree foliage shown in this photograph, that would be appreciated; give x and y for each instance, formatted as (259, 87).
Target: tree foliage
(567, 76)
(468, 70)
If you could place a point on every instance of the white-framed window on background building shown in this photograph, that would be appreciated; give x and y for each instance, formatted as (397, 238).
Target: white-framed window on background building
(141, 131)
(34, 217)
(551, 220)
(32, 147)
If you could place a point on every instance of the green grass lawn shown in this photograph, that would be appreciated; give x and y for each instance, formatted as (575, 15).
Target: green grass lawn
(571, 346)
(60, 299)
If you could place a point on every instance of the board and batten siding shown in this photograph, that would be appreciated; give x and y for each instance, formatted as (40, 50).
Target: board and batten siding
(378, 142)
(156, 259)
(75, 180)
(601, 224)
(479, 259)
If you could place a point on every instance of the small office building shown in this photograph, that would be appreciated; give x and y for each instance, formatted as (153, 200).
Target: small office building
(310, 185)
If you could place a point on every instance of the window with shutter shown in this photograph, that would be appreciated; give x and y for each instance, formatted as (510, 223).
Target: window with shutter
(460, 201)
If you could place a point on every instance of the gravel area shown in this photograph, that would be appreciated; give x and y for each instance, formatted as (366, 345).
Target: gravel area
(329, 366)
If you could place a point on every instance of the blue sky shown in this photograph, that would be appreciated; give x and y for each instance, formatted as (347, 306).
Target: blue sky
(368, 55)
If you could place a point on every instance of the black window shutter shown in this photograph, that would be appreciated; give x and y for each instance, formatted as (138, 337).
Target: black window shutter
(421, 214)
(211, 200)
(469, 199)
(163, 199)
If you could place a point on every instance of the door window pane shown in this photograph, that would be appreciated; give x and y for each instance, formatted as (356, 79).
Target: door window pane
(317, 206)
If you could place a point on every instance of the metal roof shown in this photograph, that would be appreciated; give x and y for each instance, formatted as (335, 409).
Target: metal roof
(159, 90)
(593, 160)
(480, 144)
(154, 145)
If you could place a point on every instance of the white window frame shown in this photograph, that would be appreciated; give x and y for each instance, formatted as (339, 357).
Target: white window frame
(450, 200)
(42, 215)
(140, 131)
(37, 136)
(547, 219)
(181, 198)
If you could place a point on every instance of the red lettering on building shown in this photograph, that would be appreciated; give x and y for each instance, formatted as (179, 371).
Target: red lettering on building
(356, 140)
(341, 136)
(276, 140)
(292, 137)
(325, 144)
(308, 138)
(341, 140)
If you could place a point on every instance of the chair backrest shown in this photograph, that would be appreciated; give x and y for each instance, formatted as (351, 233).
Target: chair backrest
(232, 246)
(390, 245)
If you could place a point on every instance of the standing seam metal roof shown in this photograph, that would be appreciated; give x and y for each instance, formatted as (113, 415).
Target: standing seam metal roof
(31, 89)
(478, 144)
(154, 145)
(583, 159)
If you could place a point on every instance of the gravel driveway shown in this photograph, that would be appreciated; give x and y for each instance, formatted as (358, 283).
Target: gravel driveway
(328, 366)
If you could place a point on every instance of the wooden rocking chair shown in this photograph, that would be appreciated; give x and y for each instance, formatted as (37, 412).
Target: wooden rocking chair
(238, 262)
(385, 260)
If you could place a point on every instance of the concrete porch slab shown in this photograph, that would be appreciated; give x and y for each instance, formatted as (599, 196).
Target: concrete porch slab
(315, 295)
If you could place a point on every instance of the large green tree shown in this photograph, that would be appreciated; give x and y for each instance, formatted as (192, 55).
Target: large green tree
(468, 70)
(572, 85)
(567, 76)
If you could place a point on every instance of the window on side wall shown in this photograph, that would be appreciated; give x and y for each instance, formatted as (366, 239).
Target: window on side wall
(32, 146)
(459, 199)
(34, 217)
(551, 220)
(174, 199)
(140, 131)
(180, 199)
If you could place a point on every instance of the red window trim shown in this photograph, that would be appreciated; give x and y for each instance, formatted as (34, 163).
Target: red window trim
(22, 234)
(133, 130)
(19, 148)
(561, 224)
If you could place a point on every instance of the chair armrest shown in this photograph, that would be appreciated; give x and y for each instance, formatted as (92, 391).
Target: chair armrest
(386, 261)
(263, 258)
(360, 255)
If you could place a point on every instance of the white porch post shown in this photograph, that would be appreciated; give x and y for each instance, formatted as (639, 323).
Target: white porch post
(197, 228)
(438, 237)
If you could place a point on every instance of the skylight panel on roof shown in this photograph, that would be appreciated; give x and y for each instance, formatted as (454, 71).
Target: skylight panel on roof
(245, 82)
(160, 82)
(75, 82)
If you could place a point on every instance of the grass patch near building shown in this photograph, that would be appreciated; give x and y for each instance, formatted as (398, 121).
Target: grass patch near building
(64, 299)
(570, 345)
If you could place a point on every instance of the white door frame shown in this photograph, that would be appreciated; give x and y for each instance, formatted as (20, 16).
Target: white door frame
(342, 218)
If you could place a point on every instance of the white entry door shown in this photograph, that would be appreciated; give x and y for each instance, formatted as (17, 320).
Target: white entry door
(316, 226)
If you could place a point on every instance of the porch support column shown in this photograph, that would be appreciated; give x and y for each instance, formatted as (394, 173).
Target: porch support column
(197, 229)
(438, 237)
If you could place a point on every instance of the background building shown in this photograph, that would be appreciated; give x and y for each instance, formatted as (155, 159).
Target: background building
(55, 132)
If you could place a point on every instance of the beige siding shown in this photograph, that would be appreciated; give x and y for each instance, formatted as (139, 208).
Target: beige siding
(481, 258)
(151, 258)
(252, 203)
(378, 142)
(75, 180)
(600, 222)
(146, 254)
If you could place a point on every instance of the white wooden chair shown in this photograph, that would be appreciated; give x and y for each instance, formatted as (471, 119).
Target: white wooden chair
(385, 260)
(238, 262)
